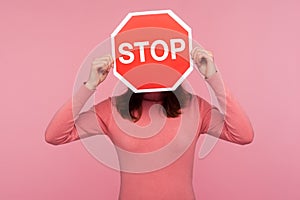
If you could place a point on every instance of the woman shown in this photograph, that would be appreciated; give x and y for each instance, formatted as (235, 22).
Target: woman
(171, 180)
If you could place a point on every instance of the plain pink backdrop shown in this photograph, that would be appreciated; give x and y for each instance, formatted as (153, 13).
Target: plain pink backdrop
(255, 44)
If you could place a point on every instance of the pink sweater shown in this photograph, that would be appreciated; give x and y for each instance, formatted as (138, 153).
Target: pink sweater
(166, 165)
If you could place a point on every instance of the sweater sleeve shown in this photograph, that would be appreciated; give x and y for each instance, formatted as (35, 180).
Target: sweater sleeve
(229, 122)
(68, 124)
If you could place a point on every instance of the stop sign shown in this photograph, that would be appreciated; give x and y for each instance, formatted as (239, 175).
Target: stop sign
(152, 51)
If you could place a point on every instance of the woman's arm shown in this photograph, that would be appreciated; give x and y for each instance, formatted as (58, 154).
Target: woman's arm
(67, 124)
(231, 123)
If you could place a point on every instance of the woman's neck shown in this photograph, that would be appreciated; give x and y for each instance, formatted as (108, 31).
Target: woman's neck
(152, 96)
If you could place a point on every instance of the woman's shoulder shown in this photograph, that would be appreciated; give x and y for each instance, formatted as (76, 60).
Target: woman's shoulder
(200, 102)
(104, 105)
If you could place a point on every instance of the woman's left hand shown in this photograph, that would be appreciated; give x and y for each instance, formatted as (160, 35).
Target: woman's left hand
(205, 61)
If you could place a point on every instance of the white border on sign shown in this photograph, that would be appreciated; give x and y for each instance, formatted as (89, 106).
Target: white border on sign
(122, 24)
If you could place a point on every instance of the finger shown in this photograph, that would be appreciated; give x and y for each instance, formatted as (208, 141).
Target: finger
(104, 63)
(194, 52)
(198, 54)
(102, 71)
(106, 67)
(111, 61)
(111, 65)
(206, 55)
(209, 53)
(199, 58)
(199, 49)
(106, 58)
(99, 59)
(99, 67)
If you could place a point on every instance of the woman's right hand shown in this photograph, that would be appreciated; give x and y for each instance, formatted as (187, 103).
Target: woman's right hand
(99, 71)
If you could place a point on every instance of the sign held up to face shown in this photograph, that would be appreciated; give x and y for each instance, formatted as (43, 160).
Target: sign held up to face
(151, 50)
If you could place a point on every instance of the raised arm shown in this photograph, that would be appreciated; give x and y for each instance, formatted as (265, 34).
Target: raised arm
(230, 122)
(68, 124)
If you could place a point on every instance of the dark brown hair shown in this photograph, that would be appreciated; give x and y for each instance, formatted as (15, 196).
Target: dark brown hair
(129, 104)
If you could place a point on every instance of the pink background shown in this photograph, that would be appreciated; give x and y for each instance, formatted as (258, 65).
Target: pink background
(43, 44)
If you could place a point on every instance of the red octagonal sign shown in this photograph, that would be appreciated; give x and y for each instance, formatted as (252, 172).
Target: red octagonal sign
(152, 51)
